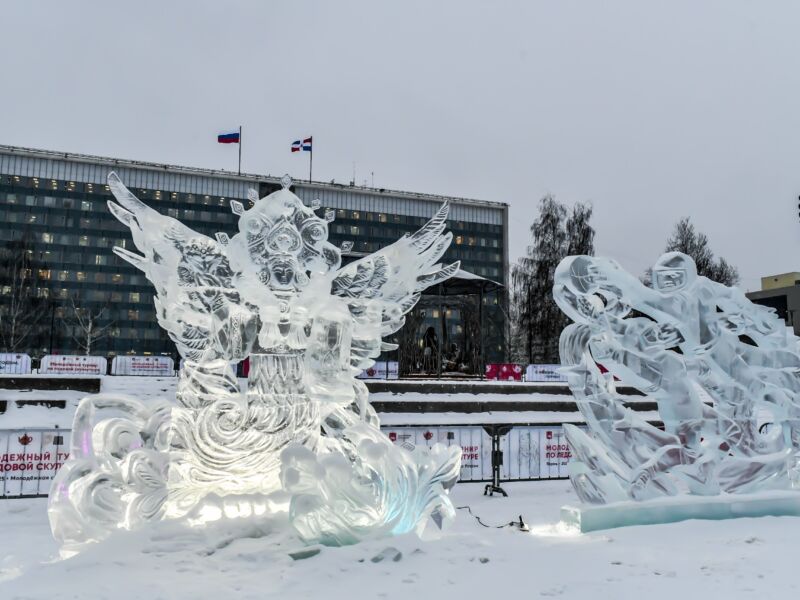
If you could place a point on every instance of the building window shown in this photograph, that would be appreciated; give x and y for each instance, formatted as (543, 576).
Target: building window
(83, 240)
(135, 297)
(101, 259)
(47, 238)
(133, 315)
(459, 240)
(44, 274)
(86, 205)
(63, 275)
(116, 278)
(80, 275)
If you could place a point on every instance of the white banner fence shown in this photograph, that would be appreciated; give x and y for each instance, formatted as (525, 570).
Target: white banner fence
(66, 364)
(15, 364)
(542, 373)
(381, 370)
(154, 366)
(530, 452)
(29, 459)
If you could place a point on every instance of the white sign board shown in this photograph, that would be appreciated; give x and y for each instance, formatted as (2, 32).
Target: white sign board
(154, 366)
(73, 365)
(29, 459)
(529, 451)
(381, 370)
(544, 373)
(15, 364)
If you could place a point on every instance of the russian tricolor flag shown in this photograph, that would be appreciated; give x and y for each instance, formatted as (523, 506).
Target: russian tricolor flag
(229, 138)
(304, 145)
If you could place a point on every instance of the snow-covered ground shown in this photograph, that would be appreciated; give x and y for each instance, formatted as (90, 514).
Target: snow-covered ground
(695, 559)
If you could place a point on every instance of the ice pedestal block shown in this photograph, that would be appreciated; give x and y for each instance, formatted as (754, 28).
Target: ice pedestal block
(725, 374)
(588, 518)
(274, 292)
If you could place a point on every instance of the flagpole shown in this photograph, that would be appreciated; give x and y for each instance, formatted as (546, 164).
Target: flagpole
(240, 149)
(310, 159)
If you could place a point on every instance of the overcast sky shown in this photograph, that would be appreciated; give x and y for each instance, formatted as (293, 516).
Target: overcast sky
(648, 110)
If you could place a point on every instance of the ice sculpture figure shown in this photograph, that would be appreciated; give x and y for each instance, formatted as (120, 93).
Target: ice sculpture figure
(723, 371)
(276, 293)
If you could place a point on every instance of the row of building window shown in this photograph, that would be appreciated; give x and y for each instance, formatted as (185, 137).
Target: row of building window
(95, 296)
(86, 206)
(71, 198)
(76, 188)
(131, 314)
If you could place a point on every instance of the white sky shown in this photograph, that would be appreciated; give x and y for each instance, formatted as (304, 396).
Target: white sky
(650, 110)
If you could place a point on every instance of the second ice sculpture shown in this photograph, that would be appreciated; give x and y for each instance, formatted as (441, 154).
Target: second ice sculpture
(722, 370)
(276, 293)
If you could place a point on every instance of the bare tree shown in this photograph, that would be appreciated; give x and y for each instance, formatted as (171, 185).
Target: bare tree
(22, 304)
(87, 326)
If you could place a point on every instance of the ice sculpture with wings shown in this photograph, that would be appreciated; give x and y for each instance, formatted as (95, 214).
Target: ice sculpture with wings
(275, 292)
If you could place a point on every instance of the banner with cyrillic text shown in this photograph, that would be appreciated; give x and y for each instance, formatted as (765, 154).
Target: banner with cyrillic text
(29, 459)
(73, 365)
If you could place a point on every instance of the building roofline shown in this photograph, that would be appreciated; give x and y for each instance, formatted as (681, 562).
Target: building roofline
(223, 174)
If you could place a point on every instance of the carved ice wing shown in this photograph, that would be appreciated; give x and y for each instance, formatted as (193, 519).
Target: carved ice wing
(196, 301)
(382, 287)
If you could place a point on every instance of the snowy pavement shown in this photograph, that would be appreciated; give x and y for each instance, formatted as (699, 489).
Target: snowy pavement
(729, 559)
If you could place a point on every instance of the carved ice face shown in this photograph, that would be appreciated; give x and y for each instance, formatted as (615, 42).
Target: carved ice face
(284, 272)
(669, 280)
(585, 276)
(674, 271)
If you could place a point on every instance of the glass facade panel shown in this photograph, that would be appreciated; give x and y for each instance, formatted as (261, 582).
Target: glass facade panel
(71, 233)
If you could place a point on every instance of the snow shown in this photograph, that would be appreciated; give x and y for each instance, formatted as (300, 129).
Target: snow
(149, 389)
(737, 558)
(694, 559)
(146, 389)
(482, 418)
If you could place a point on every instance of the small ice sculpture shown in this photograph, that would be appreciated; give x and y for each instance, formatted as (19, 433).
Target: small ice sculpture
(276, 293)
(722, 370)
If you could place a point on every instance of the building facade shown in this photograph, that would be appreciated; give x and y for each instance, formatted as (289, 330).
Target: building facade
(53, 209)
(781, 292)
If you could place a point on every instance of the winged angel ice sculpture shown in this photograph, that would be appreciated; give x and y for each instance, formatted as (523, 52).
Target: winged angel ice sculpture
(723, 371)
(274, 292)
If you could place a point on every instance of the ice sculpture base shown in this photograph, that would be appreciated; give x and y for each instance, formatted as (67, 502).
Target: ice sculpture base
(682, 508)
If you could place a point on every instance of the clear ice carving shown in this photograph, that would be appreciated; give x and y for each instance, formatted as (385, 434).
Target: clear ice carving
(722, 370)
(274, 292)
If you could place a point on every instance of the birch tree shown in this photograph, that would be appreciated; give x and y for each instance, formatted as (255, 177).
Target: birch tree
(87, 326)
(537, 321)
(22, 305)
